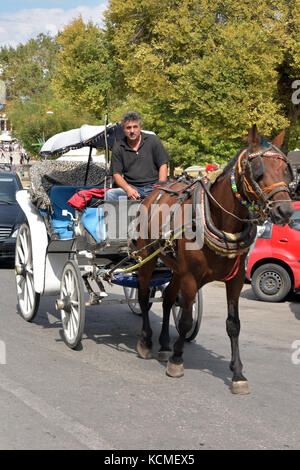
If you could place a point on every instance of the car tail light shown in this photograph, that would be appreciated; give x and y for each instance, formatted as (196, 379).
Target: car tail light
(265, 231)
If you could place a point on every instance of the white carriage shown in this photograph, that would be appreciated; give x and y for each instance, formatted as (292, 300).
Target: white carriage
(71, 253)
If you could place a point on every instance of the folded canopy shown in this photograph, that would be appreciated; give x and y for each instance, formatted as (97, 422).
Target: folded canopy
(85, 136)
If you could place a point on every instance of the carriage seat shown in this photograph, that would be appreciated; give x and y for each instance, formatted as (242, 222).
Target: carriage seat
(94, 219)
(59, 196)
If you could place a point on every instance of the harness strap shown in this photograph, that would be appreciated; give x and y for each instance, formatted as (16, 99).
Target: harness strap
(235, 268)
(270, 189)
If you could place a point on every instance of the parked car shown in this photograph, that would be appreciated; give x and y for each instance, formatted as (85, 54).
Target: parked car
(273, 265)
(5, 167)
(11, 214)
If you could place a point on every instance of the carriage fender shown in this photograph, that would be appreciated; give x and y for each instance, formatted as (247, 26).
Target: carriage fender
(39, 238)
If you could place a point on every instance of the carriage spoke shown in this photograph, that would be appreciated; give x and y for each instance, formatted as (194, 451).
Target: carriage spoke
(74, 314)
(69, 328)
(67, 282)
(74, 323)
(21, 254)
(25, 297)
(72, 286)
(20, 281)
(25, 245)
(30, 290)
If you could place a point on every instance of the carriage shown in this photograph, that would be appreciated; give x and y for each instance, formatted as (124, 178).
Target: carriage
(74, 243)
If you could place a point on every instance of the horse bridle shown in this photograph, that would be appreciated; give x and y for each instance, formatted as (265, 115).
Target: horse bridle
(261, 198)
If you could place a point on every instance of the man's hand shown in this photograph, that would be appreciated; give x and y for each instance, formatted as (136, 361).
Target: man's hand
(132, 193)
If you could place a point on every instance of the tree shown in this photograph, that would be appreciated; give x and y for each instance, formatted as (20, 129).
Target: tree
(289, 70)
(28, 71)
(28, 68)
(87, 74)
(206, 70)
(36, 120)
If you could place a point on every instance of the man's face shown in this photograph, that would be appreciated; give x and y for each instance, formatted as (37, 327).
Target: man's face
(132, 130)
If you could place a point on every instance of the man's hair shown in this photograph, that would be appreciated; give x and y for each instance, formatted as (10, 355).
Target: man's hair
(131, 116)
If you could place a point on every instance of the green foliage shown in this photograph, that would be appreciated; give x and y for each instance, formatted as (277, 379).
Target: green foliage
(206, 71)
(86, 74)
(200, 72)
(28, 69)
(37, 120)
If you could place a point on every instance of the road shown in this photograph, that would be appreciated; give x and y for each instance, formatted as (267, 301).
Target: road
(104, 396)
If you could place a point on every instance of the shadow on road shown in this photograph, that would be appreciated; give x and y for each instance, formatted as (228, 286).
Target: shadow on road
(295, 305)
(118, 328)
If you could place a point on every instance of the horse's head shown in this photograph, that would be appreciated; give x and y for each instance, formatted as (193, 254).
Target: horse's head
(265, 174)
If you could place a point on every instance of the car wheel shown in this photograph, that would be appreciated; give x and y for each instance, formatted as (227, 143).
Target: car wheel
(271, 282)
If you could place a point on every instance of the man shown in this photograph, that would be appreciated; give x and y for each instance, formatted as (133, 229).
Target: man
(138, 162)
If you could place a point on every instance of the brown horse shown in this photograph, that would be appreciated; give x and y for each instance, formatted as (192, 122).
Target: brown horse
(255, 182)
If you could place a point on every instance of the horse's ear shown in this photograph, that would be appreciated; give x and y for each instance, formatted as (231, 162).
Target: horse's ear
(278, 141)
(253, 138)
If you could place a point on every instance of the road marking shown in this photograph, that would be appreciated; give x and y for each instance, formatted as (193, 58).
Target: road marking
(83, 434)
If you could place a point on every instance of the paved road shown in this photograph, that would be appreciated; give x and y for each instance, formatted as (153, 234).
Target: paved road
(104, 397)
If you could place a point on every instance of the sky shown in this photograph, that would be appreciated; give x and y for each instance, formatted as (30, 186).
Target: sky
(21, 20)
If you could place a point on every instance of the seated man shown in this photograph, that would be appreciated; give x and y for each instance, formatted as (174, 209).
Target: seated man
(138, 162)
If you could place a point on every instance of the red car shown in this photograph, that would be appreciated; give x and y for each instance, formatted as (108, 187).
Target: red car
(273, 265)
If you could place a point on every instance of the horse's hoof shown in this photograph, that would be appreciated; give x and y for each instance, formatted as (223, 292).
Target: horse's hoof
(240, 388)
(174, 370)
(143, 351)
(163, 356)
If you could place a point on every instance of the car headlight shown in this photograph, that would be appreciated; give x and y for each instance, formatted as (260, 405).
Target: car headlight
(15, 233)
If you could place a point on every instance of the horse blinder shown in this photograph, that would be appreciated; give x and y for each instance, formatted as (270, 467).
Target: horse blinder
(257, 168)
(289, 173)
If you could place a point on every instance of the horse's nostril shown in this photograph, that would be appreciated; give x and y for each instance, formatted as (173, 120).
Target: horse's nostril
(285, 211)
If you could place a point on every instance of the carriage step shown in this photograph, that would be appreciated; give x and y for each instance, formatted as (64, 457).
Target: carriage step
(96, 299)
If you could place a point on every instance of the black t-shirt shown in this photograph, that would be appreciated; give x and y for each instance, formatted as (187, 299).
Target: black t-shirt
(140, 167)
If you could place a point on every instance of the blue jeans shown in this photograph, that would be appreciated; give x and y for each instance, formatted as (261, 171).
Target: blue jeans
(114, 194)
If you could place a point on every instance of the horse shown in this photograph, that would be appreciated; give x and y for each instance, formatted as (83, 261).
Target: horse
(254, 184)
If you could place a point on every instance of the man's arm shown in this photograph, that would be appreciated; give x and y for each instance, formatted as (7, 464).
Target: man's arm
(163, 172)
(121, 183)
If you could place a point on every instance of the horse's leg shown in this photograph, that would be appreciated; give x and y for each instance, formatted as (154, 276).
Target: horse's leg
(188, 289)
(233, 289)
(144, 345)
(170, 295)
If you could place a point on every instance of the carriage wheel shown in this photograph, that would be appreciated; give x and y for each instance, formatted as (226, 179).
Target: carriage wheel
(28, 299)
(72, 304)
(197, 315)
(131, 295)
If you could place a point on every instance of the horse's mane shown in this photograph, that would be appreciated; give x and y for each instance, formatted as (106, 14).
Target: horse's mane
(231, 164)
